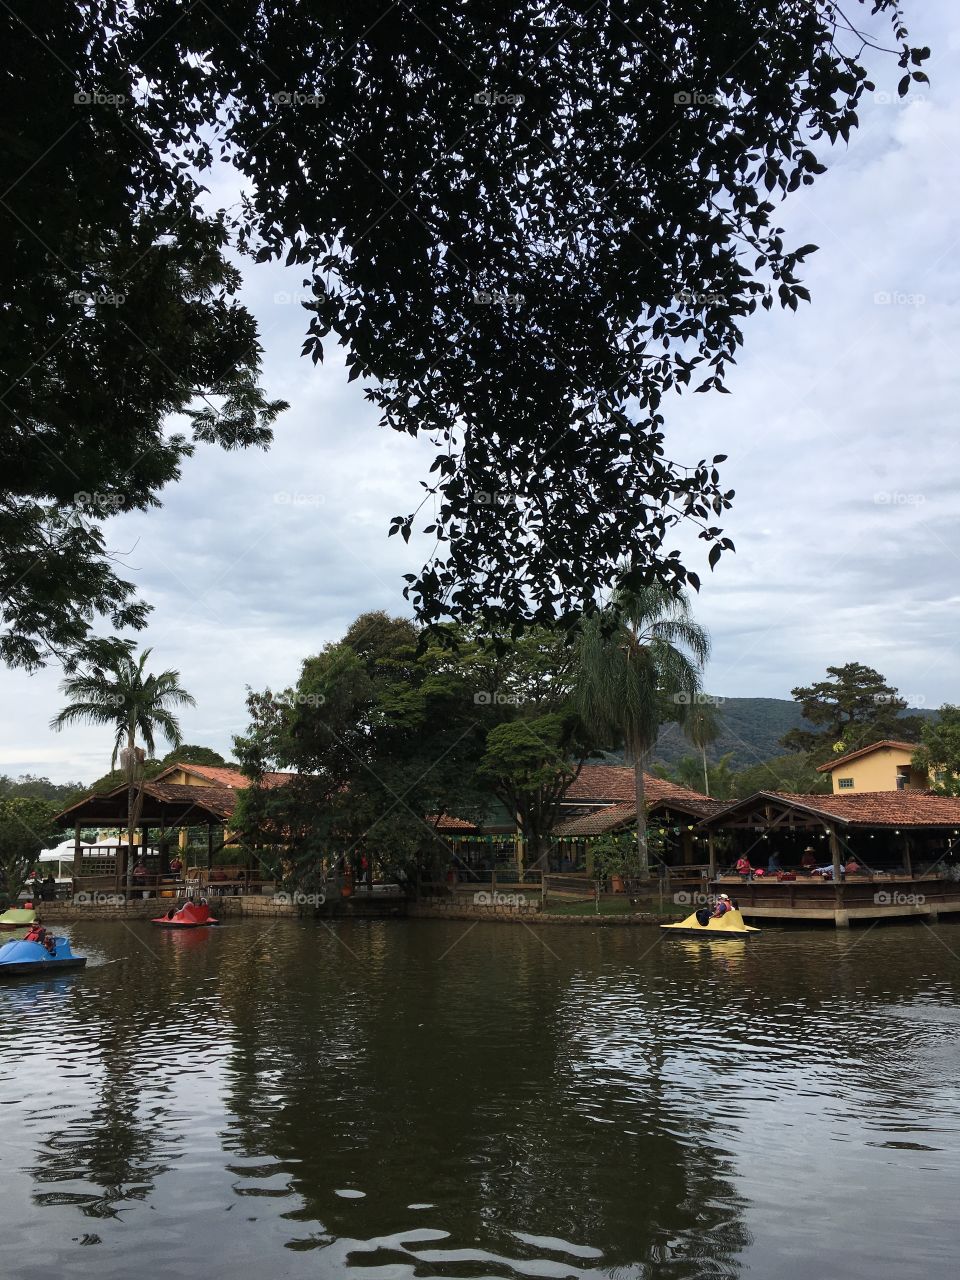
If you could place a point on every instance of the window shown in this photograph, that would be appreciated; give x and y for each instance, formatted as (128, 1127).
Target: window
(844, 784)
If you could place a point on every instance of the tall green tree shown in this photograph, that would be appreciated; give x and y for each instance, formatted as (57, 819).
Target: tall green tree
(853, 707)
(939, 751)
(719, 782)
(645, 652)
(525, 224)
(26, 828)
(384, 737)
(529, 763)
(701, 727)
(131, 701)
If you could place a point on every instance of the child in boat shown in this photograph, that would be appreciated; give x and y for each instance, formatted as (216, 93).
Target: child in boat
(36, 933)
(723, 906)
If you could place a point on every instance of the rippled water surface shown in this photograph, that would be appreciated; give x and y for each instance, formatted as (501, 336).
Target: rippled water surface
(425, 1098)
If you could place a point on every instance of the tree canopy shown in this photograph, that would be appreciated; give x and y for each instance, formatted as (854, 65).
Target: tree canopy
(525, 224)
(26, 827)
(939, 751)
(118, 311)
(853, 707)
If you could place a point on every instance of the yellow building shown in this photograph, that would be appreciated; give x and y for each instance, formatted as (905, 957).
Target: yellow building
(883, 766)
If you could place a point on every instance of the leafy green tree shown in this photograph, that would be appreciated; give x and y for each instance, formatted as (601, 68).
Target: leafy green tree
(853, 707)
(796, 772)
(119, 310)
(719, 782)
(701, 727)
(526, 230)
(188, 753)
(26, 828)
(130, 701)
(939, 751)
(63, 793)
(647, 651)
(529, 763)
(384, 737)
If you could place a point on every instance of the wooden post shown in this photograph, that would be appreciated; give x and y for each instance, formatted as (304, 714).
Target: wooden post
(835, 855)
(209, 845)
(713, 856)
(907, 860)
(77, 857)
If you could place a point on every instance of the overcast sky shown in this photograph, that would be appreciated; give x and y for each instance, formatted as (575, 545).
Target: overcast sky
(841, 440)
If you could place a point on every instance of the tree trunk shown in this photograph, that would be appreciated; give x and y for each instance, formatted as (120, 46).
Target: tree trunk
(643, 853)
(706, 775)
(131, 806)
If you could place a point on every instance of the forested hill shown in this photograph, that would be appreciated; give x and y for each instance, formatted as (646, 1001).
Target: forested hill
(751, 731)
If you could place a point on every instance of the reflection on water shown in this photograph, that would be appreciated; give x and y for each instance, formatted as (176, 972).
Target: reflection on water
(431, 1099)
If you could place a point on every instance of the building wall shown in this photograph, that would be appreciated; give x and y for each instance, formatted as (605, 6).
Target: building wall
(877, 771)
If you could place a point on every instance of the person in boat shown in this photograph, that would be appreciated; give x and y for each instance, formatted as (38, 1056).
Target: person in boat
(48, 890)
(722, 907)
(36, 933)
(743, 868)
(809, 859)
(50, 943)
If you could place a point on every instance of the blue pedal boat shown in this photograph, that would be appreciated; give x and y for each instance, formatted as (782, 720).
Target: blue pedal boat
(21, 959)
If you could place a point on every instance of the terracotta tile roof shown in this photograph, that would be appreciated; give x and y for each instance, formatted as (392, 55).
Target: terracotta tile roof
(598, 821)
(448, 823)
(866, 809)
(110, 806)
(610, 783)
(222, 776)
(864, 751)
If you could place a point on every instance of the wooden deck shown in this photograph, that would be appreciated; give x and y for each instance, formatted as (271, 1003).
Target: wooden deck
(857, 898)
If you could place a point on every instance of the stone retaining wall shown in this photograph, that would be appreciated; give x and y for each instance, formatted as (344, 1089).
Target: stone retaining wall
(440, 909)
(148, 908)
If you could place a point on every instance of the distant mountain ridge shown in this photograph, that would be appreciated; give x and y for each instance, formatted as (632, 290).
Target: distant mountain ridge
(751, 731)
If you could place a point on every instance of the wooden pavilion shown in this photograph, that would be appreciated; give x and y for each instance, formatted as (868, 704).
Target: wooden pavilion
(880, 854)
(165, 806)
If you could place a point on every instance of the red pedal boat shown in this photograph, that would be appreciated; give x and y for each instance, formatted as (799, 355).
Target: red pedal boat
(193, 915)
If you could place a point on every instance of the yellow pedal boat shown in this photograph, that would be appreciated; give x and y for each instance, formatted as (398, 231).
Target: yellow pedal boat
(18, 918)
(729, 925)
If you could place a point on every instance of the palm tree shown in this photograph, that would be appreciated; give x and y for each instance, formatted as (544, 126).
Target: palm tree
(701, 727)
(131, 702)
(643, 649)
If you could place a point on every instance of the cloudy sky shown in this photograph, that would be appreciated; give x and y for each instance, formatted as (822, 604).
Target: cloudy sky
(841, 440)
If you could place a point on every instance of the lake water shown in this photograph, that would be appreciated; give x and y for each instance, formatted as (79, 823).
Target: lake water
(426, 1098)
